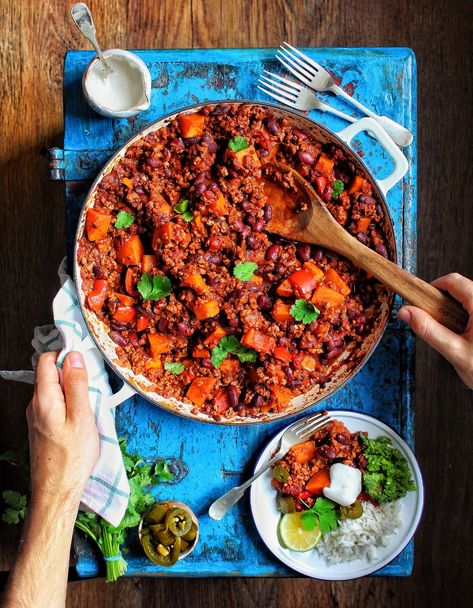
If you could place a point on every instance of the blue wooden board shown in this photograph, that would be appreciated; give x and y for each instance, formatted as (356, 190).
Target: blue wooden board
(216, 458)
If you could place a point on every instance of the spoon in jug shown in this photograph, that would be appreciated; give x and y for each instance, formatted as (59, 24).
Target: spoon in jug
(82, 17)
(303, 216)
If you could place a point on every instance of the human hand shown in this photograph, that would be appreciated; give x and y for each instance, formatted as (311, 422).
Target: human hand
(458, 349)
(64, 441)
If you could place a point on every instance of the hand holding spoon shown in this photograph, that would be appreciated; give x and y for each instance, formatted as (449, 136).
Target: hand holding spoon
(316, 225)
(82, 17)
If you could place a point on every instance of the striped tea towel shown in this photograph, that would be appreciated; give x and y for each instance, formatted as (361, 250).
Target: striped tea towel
(107, 490)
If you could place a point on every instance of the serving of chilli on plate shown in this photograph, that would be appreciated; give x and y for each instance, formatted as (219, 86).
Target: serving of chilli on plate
(198, 298)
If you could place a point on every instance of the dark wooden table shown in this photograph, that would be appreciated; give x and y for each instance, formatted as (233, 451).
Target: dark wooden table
(34, 38)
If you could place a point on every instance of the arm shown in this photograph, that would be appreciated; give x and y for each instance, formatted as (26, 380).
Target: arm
(64, 448)
(458, 349)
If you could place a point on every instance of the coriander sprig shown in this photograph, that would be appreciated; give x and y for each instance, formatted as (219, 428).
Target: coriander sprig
(245, 270)
(124, 220)
(182, 208)
(304, 311)
(231, 345)
(154, 288)
(322, 512)
(238, 143)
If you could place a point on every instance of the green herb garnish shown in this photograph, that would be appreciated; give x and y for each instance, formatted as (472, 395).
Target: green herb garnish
(387, 476)
(245, 270)
(174, 367)
(16, 506)
(124, 220)
(238, 143)
(337, 188)
(322, 512)
(304, 311)
(154, 288)
(182, 208)
(162, 472)
(231, 345)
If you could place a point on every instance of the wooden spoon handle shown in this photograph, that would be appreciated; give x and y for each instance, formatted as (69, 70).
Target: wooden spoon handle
(438, 304)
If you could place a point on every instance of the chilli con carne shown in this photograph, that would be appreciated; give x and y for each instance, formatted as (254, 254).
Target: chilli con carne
(201, 300)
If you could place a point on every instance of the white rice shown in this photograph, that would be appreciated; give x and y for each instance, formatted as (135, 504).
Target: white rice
(359, 538)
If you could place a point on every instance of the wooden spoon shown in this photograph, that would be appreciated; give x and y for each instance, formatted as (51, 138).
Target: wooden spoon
(315, 224)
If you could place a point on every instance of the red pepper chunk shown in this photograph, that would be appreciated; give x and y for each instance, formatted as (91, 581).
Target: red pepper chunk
(98, 295)
(124, 314)
(142, 323)
(304, 283)
(258, 340)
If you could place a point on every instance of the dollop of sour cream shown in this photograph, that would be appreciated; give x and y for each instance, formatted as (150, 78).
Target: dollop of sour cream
(122, 90)
(345, 484)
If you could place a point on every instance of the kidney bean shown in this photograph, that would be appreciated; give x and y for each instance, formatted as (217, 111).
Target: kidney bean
(318, 255)
(221, 108)
(381, 249)
(155, 163)
(167, 172)
(236, 294)
(144, 312)
(214, 281)
(267, 213)
(98, 272)
(303, 251)
(323, 360)
(342, 438)
(258, 226)
(300, 134)
(360, 319)
(336, 321)
(334, 353)
(234, 323)
(362, 461)
(200, 189)
(313, 325)
(263, 153)
(364, 199)
(253, 243)
(232, 396)
(177, 143)
(360, 329)
(233, 173)
(167, 154)
(273, 126)
(379, 211)
(119, 326)
(264, 302)
(362, 237)
(207, 363)
(183, 328)
(327, 452)
(213, 186)
(273, 252)
(250, 220)
(118, 338)
(162, 326)
(306, 158)
(289, 372)
(200, 178)
(190, 141)
(298, 506)
(214, 258)
(246, 205)
(295, 383)
(257, 402)
(139, 190)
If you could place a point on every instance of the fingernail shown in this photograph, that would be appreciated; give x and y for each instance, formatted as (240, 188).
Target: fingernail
(76, 360)
(404, 314)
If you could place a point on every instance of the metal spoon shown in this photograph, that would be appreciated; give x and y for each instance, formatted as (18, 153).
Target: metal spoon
(315, 224)
(82, 17)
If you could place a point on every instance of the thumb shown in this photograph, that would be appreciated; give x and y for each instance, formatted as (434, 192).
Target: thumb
(75, 385)
(445, 341)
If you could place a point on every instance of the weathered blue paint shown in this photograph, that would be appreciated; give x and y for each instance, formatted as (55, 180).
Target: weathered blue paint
(219, 457)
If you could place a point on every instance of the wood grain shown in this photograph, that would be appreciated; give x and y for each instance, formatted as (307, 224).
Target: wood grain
(34, 38)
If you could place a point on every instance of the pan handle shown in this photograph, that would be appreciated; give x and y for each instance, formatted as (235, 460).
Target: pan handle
(111, 401)
(398, 158)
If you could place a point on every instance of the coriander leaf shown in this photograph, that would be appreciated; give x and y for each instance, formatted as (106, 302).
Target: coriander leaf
(188, 216)
(238, 143)
(174, 367)
(219, 354)
(16, 506)
(304, 311)
(325, 511)
(247, 356)
(154, 288)
(245, 270)
(230, 344)
(11, 457)
(308, 520)
(162, 471)
(181, 206)
(11, 516)
(337, 188)
(124, 220)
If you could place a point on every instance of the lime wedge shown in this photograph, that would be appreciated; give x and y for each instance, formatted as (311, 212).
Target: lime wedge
(293, 536)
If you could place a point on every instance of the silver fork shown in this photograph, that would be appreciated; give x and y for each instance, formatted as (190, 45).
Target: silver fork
(292, 94)
(297, 432)
(316, 77)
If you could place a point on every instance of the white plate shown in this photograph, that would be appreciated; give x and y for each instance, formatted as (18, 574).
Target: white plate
(310, 563)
